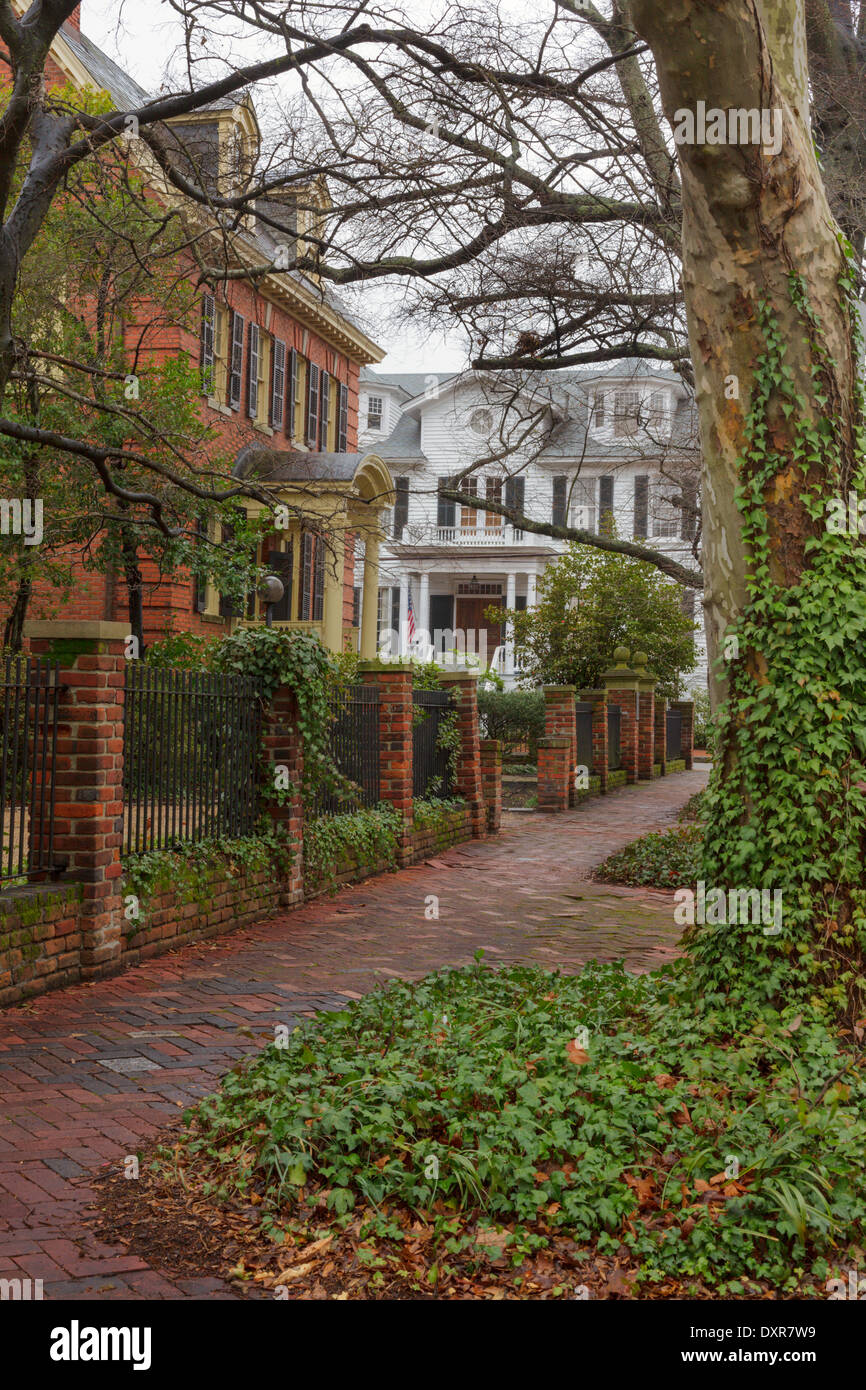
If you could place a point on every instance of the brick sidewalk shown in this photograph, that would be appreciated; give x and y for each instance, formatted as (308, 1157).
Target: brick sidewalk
(90, 1073)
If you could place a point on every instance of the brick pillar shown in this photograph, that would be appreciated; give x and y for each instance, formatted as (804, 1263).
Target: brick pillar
(463, 685)
(491, 781)
(394, 679)
(554, 772)
(661, 734)
(687, 735)
(88, 776)
(621, 684)
(281, 742)
(598, 700)
(559, 721)
(646, 717)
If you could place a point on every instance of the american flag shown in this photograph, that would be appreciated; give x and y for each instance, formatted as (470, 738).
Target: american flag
(411, 616)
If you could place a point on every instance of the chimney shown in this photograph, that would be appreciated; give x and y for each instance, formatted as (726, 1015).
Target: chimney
(74, 20)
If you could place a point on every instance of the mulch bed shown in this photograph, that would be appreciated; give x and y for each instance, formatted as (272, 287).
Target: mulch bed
(165, 1218)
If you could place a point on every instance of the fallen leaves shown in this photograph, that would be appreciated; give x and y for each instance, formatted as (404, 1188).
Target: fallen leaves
(578, 1055)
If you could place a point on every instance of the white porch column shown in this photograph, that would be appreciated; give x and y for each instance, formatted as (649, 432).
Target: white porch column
(510, 602)
(403, 638)
(422, 617)
(530, 590)
(370, 597)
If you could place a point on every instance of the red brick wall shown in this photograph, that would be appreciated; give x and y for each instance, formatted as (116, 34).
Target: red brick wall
(554, 772)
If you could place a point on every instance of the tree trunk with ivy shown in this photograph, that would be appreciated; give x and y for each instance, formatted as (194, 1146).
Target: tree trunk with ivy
(773, 333)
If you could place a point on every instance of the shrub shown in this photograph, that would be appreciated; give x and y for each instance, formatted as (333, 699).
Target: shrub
(667, 859)
(514, 717)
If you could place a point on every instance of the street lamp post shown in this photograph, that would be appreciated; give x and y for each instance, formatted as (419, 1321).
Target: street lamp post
(272, 591)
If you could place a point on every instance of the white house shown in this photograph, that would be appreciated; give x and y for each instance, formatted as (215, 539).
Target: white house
(563, 447)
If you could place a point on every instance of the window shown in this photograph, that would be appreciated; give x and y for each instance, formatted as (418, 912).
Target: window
(481, 421)
(493, 491)
(626, 414)
(658, 412)
(343, 420)
(664, 516)
(445, 510)
(374, 412)
(401, 507)
(278, 384)
(583, 504)
(311, 600)
(312, 404)
(237, 362)
(469, 515)
(560, 484)
(206, 357)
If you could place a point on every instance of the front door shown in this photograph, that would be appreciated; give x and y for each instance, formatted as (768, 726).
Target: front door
(471, 621)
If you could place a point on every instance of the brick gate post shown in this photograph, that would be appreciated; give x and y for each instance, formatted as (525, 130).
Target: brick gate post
(621, 683)
(394, 679)
(282, 748)
(463, 685)
(560, 720)
(88, 775)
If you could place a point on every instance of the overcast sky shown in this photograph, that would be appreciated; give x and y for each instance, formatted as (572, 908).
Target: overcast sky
(141, 36)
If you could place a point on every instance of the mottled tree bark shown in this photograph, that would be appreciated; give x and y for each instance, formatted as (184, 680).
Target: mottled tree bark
(750, 220)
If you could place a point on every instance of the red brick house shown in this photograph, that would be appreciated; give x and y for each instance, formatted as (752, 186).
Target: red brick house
(281, 361)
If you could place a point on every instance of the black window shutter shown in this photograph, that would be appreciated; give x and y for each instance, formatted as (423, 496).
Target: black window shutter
(401, 506)
(306, 576)
(291, 393)
(237, 362)
(324, 408)
(605, 499)
(278, 383)
(208, 321)
(559, 488)
(446, 512)
(199, 586)
(253, 373)
(343, 425)
(280, 563)
(395, 610)
(312, 403)
(515, 493)
(356, 607)
(641, 504)
(688, 518)
(319, 583)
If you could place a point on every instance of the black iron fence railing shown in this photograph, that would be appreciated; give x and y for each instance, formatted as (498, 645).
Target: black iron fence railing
(354, 741)
(614, 731)
(431, 765)
(28, 746)
(583, 715)
(674, 730)
(190, 757)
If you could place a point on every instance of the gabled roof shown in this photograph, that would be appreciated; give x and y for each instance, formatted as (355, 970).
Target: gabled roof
(404, 441)
(410, 384)
(107, 76)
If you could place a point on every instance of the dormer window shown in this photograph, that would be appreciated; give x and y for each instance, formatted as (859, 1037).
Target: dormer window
(374, 412)
(598, 415)
(626, 414)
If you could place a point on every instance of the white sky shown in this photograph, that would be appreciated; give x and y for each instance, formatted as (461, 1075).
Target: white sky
(141, 35)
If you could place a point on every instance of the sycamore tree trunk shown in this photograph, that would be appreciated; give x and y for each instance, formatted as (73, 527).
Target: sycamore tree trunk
(768, 294)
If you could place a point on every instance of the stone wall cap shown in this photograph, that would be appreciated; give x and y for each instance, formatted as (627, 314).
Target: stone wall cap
(77, 629)
(458, 676)
(376, 664)
(559, 689)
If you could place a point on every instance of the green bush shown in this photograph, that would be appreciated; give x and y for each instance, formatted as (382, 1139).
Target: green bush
(514, 717)
(666, 859)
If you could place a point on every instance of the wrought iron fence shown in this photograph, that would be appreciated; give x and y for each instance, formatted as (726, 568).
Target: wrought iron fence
(583, 716)
(614, 731)
(674, 729)
(431, 766)
(28, 746)
(354, 740)
(190, 756)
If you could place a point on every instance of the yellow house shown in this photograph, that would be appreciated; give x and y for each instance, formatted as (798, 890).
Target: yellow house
(327, 508)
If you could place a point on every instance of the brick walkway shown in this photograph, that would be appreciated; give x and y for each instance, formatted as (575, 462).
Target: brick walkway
(89, 1073)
